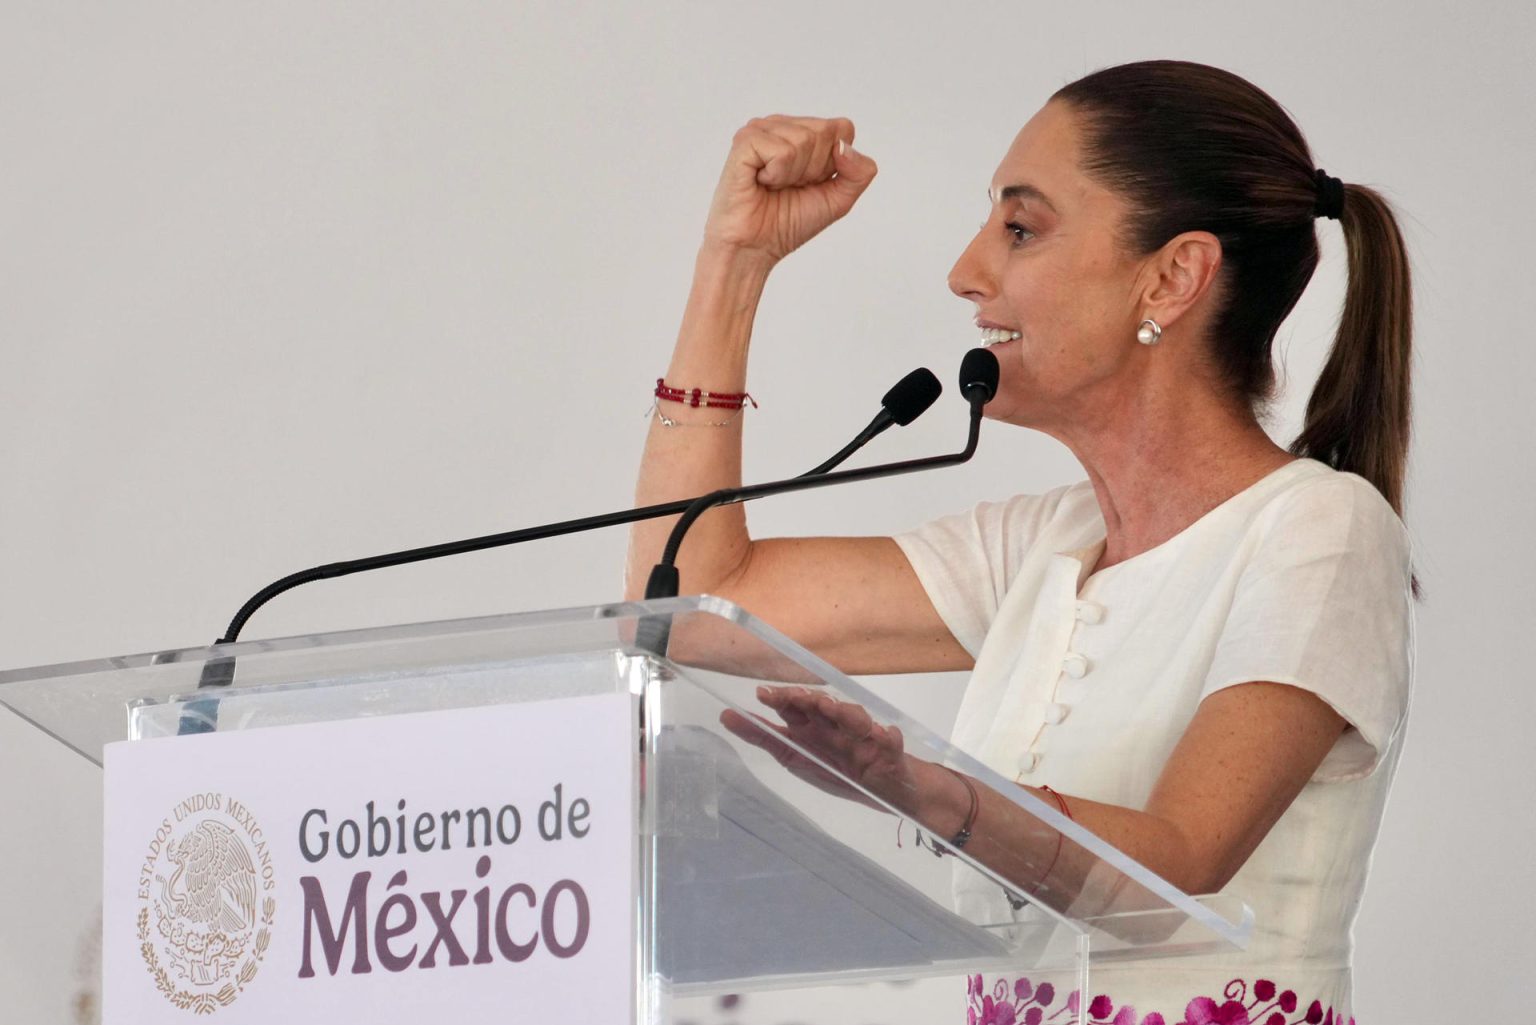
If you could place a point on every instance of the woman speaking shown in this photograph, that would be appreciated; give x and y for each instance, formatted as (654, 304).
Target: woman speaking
(1202, 652)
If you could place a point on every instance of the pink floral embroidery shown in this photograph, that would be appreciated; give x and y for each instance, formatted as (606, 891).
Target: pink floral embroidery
(1024, 1003)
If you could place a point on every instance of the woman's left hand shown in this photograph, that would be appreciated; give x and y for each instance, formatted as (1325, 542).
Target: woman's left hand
(839, 733)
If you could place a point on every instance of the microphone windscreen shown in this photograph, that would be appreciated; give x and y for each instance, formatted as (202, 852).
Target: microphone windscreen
(911, 396)
(978, 370)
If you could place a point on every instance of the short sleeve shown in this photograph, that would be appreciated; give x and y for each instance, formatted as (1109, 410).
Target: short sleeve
(967, 560)
(1325, 605)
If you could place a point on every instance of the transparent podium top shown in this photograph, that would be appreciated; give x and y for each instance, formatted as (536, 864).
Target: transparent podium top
(736, 807)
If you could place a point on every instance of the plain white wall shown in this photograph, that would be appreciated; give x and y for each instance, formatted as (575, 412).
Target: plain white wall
(285, 283)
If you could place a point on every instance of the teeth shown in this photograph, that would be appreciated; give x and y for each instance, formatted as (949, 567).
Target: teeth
(994, 335)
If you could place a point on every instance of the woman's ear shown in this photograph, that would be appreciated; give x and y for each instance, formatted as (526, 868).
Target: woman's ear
(1180, 274)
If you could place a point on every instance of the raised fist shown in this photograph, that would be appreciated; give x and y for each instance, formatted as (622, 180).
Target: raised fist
(785, 180)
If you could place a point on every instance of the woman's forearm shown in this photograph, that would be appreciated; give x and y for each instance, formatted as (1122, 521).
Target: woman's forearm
(1023, 850)
(694, 456)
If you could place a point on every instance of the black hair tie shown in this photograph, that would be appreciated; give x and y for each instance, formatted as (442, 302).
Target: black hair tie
(1330, 195)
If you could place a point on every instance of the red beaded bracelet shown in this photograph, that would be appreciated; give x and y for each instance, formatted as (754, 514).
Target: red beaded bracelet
(697, 397)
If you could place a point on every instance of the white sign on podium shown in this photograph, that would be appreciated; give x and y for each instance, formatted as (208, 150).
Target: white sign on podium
(428, 866)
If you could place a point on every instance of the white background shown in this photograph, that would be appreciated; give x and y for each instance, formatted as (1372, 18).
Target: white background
(286, 283)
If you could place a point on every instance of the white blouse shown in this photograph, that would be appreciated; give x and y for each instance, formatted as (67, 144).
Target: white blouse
(1086, 682)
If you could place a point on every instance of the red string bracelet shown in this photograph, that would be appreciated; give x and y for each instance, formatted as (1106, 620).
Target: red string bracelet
(1057, 856)
(697, 397)
(1059, 800)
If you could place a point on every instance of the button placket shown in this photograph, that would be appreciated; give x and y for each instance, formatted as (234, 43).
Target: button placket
(1073, 666)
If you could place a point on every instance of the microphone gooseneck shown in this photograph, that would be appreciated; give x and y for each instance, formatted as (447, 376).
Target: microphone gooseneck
(908, 399)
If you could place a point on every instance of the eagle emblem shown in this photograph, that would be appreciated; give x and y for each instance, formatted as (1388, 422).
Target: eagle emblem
(203, 931)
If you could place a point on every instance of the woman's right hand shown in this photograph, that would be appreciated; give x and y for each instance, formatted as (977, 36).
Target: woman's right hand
(786, 179)
(840, 733)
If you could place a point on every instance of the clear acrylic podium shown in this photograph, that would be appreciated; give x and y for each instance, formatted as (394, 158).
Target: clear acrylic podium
(750, 877)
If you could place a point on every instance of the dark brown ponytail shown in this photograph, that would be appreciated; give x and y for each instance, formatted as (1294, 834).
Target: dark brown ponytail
(1358, 416)
(1195, 148)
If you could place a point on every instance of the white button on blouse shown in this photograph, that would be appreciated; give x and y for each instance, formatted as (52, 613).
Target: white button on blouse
(1090, 612)
(1075, 665)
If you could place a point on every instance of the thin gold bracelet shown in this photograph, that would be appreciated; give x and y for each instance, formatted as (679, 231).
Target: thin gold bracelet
(667, 421)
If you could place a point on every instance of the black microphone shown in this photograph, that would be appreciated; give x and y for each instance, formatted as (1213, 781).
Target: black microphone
(978, 383)
(978, 376)
(908, 399)
(904, 403)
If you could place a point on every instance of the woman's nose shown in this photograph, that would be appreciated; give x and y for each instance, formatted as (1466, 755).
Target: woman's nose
(970, 277)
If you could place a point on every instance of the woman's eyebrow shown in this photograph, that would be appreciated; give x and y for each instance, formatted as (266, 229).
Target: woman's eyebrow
(1022, 191)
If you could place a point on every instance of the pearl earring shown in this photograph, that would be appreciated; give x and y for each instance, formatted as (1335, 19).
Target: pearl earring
(1149, 333)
